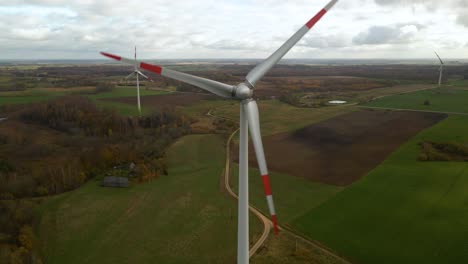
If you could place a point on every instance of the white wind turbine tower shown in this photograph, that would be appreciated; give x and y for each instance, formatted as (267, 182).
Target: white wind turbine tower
(249, 120)
(441, 69)
(136, 72)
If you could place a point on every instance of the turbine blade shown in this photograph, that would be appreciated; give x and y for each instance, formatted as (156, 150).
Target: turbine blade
(135, 59)
(441, 62)
(139, 72)
(251, 111)
(218, 88)
(145, 76)
(138, 93)
(130, 75)
(261, 69)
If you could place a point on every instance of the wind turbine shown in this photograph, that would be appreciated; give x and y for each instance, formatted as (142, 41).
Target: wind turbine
(441, 69)
(136, 72)
(249, 120)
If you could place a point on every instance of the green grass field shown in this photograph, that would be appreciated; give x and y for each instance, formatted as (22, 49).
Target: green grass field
(123, 108)
(441, 99)
(293, 196)
(275, 116)
(459, 83)
(24, 99)
(404, 211)
(178, 218)
(37, 95)
(28, 96)
(125, 92)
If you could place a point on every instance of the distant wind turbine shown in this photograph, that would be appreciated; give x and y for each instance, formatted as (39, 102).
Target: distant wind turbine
(249, 122)
(441, 69)
(136, 72)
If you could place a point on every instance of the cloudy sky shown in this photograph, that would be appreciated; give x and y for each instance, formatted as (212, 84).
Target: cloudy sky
(164, 29)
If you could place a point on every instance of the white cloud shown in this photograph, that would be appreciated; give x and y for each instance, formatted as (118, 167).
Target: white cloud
(324, 42)
(228, 28)
(377, 35)
(462, 18)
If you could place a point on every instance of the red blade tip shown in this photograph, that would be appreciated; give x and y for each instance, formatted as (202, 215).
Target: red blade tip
(115, 57)
(275, 224)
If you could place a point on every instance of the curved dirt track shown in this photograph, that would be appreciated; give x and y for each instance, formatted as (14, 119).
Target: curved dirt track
(267, 224)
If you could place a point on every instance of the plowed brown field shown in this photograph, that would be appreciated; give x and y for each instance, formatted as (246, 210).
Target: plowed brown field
(341, 150)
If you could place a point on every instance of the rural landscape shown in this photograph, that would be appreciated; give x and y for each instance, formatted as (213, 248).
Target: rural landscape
(60, 138)
(367, 158)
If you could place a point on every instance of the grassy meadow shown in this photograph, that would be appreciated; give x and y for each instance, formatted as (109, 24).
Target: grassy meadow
(174, 219)
(275, 116)
(445, 99)
(38, 95)
(294, 196)
(404, 211)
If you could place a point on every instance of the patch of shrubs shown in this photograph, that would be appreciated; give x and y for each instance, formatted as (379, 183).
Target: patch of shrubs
(19, 241)
(224, 126)
(5, 166)
(433, 151)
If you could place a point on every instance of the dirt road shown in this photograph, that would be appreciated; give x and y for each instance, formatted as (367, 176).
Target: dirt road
(267, 224)
(414, 110)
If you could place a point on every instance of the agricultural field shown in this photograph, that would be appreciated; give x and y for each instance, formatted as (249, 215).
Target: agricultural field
(289, 205)
(174, 219)
(163, 100)
(445, 99)
(275, 116)
(418, 207)
(314, 167)
(108, 218)
(101, 99)
(357, 141)
(404, 211)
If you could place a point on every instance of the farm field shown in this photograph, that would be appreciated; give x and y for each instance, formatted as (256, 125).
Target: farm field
(101, 99)
(335, 140)
(289, 204)
(357, 141)
(175, 219)
(163, 100)
(404, 211)
(275, 116)
(446, 99)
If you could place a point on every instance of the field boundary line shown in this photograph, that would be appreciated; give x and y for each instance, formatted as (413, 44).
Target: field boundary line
(413, 110)
(405, 92)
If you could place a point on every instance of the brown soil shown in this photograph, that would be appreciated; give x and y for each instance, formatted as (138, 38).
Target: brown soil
(162, 101)
(341, 150)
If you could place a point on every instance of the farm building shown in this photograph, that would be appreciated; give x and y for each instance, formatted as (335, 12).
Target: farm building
(116, 182)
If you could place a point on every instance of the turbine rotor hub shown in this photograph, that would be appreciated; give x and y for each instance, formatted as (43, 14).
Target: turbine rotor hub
(242, 91)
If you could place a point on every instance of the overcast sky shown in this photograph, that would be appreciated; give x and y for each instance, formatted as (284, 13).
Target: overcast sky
(165, 29)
